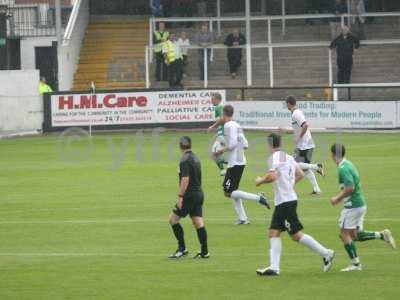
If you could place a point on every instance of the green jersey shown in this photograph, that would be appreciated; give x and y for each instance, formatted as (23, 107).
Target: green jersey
(218, 114)
(348, 176)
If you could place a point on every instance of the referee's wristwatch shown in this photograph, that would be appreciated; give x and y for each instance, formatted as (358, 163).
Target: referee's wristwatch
(180, 195)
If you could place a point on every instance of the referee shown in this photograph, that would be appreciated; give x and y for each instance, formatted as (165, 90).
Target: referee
(190, 201)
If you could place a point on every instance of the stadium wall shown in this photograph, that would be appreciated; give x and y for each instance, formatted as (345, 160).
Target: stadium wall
(111, 110)
(28, 45)
(21, 105)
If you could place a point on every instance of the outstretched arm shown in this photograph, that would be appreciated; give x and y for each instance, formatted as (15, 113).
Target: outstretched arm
(270, 177)
(217, 123)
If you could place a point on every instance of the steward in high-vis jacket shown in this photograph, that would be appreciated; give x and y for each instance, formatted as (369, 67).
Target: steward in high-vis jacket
(160, 36)
(170, 55)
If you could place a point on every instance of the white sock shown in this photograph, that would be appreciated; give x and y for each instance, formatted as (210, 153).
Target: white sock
(313, 245)
(238, 205)
(275, 253)
(311, 177)
(355, 261)
(306, 167)
(245, 196)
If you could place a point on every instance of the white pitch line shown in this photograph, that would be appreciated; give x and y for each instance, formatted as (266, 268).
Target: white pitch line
(209, 220)
(161, 255)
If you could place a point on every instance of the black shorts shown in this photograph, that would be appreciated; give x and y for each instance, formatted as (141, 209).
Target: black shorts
(285, 218)
(303, 156)
(192, 206)
(232, 178)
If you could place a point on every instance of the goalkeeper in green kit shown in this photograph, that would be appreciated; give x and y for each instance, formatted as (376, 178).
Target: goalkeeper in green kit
(219, 143)
(355, 208)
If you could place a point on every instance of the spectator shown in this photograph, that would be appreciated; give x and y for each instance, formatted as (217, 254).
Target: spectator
(357, 8)
(155, 7)
(160, 37)
(345, 44)
(169, 51)
(336, 23)
(234, 40)
(178, 61)
(204, 39)
(184, 44)
(44, 87)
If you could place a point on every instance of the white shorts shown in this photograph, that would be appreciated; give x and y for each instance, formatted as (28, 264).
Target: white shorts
(352, 218)
(218, 144)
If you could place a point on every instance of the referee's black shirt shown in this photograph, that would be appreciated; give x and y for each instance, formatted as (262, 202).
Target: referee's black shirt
(190, 167)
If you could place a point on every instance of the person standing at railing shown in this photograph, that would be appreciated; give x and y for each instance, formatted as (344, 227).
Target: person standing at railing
(204, 39)
(336, 23)
(345, 45)
(170, 55)
(184, 44)
(233, 41)
(178, 61)
(160, 37)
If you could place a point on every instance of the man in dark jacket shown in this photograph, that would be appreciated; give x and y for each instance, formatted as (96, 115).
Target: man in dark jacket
(345, 44)
(234, 54)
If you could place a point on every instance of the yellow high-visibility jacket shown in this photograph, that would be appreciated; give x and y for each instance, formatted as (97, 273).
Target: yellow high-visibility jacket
(159, 39)
(169, 52)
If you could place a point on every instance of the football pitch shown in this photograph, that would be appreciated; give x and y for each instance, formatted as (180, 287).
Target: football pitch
(85, 218)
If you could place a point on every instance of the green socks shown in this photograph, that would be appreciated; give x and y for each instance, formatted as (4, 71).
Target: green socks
(368, 235)
(351, 250)
(362, 236)
(220, 162)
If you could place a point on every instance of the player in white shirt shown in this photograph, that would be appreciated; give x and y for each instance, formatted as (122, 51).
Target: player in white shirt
(284, 173)
(234, 147)
(304, 144)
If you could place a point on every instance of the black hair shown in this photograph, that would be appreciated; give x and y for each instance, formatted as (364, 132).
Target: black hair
(185, 142)
(338, 150)
(228, 110)
(274, 140)
(291, 100)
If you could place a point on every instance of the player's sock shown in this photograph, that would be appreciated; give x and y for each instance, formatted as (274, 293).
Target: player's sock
(238, 204)
(352, 252)
(313, 245)
(178, 231)
(245, 196)
(220, 162)
(311, 177)
(202, 235)
(363, 236)
(306, 167)
(275, 253)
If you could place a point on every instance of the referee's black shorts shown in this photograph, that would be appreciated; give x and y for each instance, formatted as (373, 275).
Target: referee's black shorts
(232, 178)
(303, 156)
(192, 205)
(285, 218)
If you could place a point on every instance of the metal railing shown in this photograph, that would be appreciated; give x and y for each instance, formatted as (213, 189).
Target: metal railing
(269, 44)
(72, 21)
(270, 48)
(36, 19)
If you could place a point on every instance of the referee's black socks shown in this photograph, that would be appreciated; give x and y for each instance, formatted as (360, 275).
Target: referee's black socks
(178, 231)
(202, 235)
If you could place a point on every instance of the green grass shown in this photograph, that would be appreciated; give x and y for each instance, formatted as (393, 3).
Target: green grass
(78, 222)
